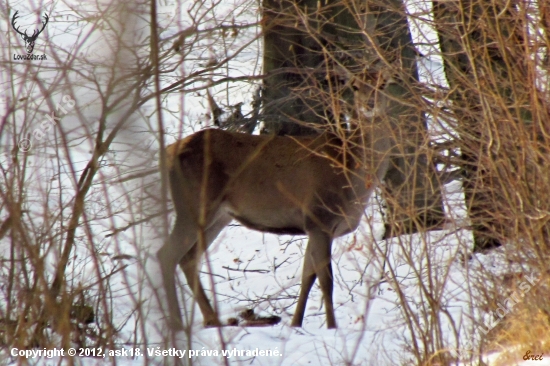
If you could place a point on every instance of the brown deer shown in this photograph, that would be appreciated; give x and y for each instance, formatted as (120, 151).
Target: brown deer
(316, 185)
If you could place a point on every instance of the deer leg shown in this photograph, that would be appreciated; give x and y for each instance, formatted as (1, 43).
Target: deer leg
(316, 253)
(316, 264)
(189, 265)
(181, 240)
(323, 269)
(308, 278)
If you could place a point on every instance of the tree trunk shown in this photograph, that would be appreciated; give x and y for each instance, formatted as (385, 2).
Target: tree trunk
(293, 60)
(483, 55)
(413, 192)
(305, 42)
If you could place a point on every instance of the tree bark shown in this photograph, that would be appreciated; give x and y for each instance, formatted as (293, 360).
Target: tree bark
(483, 59)
(293, 62)
(413, 194)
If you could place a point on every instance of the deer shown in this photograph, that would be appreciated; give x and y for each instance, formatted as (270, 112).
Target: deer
(316, 185)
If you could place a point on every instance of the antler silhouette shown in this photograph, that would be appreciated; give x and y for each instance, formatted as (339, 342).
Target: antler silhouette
(29, 40)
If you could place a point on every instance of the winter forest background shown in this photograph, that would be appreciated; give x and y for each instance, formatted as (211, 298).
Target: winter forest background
(450, 264)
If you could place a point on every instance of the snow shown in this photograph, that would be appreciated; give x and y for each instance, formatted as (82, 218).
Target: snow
(371, 328)
(260, 271)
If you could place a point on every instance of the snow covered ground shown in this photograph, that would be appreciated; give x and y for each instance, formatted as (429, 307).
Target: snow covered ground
(254, 270)
(371, 329)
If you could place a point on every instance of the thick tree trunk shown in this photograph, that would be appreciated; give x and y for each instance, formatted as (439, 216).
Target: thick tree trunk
(293, 60)
(483, 57)
(304, 42)
(413, 192)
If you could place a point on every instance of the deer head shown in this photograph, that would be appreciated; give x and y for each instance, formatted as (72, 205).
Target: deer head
(29, 40)
(317, 186)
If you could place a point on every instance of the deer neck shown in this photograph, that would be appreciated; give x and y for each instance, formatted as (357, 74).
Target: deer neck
(371, 141)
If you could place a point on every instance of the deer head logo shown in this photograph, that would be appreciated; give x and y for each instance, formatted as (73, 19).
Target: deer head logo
(29, 40)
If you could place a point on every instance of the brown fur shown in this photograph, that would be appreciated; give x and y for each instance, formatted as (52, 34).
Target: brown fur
(317, 186)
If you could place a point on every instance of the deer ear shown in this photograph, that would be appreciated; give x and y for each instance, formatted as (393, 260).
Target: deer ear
(387, 78)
